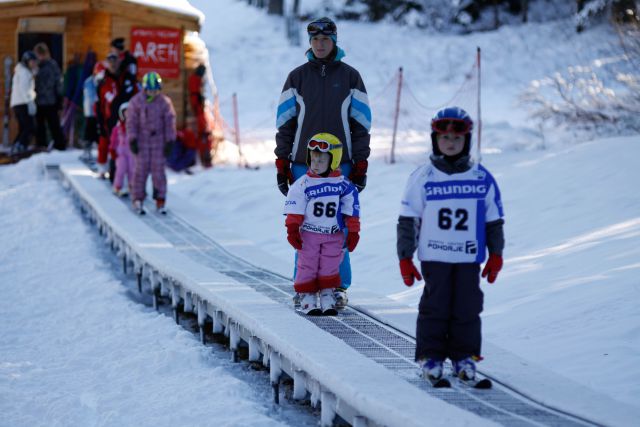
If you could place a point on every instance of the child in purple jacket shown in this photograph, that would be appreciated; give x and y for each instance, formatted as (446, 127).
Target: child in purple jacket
(151, 129)
(125, 162)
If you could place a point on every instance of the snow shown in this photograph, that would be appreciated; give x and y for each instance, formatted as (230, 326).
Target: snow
(389, 400)
(180, 6)
(75, 349)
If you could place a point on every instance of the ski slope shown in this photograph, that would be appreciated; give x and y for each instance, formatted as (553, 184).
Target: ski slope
(572, 205)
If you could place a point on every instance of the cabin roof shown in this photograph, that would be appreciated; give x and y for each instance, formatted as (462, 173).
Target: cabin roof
(179, 7)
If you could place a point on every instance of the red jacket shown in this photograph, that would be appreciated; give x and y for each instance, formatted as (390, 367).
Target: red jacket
(196, 99)
(107, 92)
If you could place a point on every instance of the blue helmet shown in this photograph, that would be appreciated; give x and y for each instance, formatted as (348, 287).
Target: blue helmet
(452, 120)
(151, 81)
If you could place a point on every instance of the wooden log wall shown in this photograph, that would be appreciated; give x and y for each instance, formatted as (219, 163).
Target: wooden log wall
(8, 46)
(96, 32)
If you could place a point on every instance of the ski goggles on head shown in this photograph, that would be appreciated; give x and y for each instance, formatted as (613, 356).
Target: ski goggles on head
(326, 28)
(455, 126)
(322, 145)
(319, 145)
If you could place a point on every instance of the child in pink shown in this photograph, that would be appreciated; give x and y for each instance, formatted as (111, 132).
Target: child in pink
(125, 162)
(319, 205)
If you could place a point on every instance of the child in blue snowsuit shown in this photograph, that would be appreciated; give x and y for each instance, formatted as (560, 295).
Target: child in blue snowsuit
(452, 213)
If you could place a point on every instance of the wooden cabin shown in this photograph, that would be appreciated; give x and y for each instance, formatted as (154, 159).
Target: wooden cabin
(164, 36)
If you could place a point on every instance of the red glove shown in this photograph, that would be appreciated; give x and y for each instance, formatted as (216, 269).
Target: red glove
(293, 223)
(284, 175)
(358, 175)
(409, 271)
(353, 225)
(352, 240)
(492, 267)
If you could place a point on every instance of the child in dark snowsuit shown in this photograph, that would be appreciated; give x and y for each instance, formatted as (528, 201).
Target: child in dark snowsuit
(151, 129)
(452, 212)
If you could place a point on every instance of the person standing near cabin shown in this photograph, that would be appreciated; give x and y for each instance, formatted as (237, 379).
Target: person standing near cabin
(48, 96)
(197, 102)
(151, 129)
(127, 73)
(324, 95)
(90, 104)
(107, 92)
(23, 99)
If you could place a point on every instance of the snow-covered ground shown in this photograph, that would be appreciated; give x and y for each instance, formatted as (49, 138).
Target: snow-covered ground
(567, 297)
(76, 350)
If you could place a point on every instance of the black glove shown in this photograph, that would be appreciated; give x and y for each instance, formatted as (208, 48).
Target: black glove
(167, 148)
(284, 176)
(359, 175)
(133, 144)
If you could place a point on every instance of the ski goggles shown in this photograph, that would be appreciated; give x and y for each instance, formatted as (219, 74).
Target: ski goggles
(326, 28)
(321, 145)
(455, 126)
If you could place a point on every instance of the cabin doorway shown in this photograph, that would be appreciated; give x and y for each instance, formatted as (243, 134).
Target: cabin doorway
(55, 42)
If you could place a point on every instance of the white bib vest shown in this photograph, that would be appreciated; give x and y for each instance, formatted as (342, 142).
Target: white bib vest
(322, 201)
(453, 210)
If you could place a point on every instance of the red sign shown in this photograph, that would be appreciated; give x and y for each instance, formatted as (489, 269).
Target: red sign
(157, 49)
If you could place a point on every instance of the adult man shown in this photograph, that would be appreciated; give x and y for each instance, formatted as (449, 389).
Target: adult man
(127, 74)
(324, 95)
(48, 95)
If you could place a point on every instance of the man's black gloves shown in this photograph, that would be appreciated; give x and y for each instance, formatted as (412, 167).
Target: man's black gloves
(284, 176)
(358, 174)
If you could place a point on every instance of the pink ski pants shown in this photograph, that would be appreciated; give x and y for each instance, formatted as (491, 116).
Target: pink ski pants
(319, 262)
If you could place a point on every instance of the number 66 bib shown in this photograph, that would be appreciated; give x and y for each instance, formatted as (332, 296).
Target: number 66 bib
(323, 202)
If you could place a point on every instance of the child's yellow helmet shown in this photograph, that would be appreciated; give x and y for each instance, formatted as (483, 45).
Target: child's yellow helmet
(326, 143)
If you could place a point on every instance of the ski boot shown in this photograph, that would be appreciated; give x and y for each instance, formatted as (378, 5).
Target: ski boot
(103, 171)
(465, 369)
(340, 294)
(138, 208)
(433, 371)
(309, 304)
(296, 300)
(160, 208)
(328, 302)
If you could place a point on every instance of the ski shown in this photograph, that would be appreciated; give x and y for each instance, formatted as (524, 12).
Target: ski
(439, 382)
(483, 384)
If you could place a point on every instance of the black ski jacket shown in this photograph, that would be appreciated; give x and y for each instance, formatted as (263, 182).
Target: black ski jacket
(323, 96)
